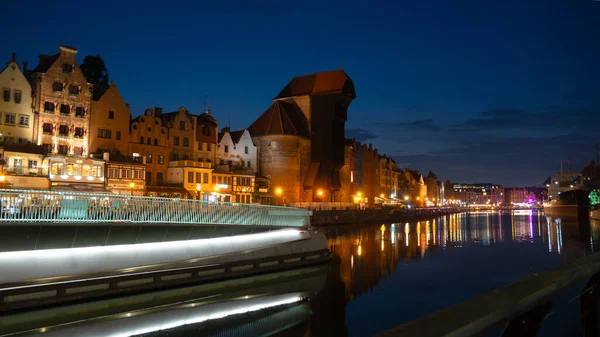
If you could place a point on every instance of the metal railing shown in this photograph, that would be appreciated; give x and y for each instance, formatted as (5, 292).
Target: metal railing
(520, 307)
(41, 207)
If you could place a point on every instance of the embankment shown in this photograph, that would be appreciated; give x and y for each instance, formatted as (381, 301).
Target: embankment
(340, 217)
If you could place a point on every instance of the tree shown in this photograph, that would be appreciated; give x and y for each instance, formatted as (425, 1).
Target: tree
(95, 71)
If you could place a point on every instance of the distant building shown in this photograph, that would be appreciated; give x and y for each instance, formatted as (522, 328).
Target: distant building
(16, 115)
(388, 173)
(236, 149)
(300, 137)
(479, 194)
(62, 102)
(24, 167)
(433, 190)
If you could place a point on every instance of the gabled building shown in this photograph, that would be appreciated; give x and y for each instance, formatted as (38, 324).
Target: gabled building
(149, 140)
(236, 149)
(181, 127)
(16, 114)
(300, 137)
(207, 131)
(109, 140)
(62, 102)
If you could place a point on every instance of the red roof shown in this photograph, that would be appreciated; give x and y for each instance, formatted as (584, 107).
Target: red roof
(281, 118)
(318, 83)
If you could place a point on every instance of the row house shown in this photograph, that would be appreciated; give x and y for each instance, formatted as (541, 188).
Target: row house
(236, 165)
(479, 194)
(16, 114)
(388, 173)
(109, 140)
(62, 102)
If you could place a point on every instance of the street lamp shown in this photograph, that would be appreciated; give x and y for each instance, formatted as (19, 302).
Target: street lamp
(131, 185)
(320, 193)
(278, 191)
(406, 197)
(198, 188)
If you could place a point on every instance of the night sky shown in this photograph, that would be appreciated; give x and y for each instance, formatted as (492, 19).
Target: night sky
(477, 91)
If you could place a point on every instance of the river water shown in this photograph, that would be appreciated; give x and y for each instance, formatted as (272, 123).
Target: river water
(381, 276)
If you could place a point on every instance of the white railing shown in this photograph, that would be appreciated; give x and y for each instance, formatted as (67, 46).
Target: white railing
(325, 206)
(50, 207)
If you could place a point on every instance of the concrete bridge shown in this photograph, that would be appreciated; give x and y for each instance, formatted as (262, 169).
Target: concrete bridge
(61, 246)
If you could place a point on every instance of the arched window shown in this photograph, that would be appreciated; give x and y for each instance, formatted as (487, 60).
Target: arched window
(142, 140)
(155, 142)
(149, 141)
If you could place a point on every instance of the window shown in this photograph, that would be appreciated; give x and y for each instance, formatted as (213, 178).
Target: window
(149, 141)
(118, 135)
(113, 172)
(174, 156)
(186, 142)
(176, 140)
(6, 95)
(18, 162)
(142, 140)
(205, 177)
(9, 118)
(245, 149)
(67, 68)
(155, 142)
(62, 149)
(159, 178)
(149, 129)
(249, 164)
(126, 173)
(32, 164)
(24, 120)
(205, 130)
(63, 130)
(47, 128)
(17, 96)
(57, 87)
(65, 109)
(198, 177)
(79, 112)
(111, 115)
(208, 147)
(138, 174)
(148, 159)
(190, 177)
(214, 182)
(49, 107)
(181, 125)
(47, 147)
(226, 148)
(185, 157)
(135, 154)
(78, 132)
(73, 90)
(161, 159)
(103, 133)
(148, 178)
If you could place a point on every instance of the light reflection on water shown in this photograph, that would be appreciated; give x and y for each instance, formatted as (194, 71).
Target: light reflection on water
(428, 265)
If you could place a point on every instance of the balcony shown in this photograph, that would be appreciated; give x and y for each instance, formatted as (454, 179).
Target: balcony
(23, 171)
(189, 163)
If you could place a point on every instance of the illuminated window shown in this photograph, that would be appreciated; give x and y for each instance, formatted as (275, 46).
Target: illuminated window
(190, 178)
(57, 168)
(161, 159)
(86, 170)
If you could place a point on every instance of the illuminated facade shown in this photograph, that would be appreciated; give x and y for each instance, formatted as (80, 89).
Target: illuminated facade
(16, 115)
(62, 102)
(479, 194)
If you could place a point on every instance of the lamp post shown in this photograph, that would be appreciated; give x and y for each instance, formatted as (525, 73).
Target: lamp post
(131, 186)
(198, 188)
(278, 192)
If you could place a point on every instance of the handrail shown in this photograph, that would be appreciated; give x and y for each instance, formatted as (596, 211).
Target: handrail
(47, 207)
(484, 312)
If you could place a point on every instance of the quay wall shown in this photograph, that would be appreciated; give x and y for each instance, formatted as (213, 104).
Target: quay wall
(340, 217)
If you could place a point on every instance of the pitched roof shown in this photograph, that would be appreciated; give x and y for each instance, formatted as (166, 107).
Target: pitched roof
(236, 135)
(318, 83)
(45, 62)
(206, 118)
(281, 118)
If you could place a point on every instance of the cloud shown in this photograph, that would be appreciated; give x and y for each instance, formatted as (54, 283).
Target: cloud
(418, 125)
(360, 134)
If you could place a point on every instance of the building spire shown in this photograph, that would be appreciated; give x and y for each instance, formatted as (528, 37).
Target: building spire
(208, 108)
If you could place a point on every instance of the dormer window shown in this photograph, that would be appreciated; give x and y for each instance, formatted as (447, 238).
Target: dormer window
(57, 87)
(73, 90)
(67, 68)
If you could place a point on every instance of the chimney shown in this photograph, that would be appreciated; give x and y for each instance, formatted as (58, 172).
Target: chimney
(14, 57)
(158, 111)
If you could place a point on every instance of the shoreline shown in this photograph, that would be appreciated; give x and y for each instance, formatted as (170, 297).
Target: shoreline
(353, 217)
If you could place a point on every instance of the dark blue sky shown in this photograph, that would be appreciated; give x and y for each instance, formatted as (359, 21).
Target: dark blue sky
(496, 91)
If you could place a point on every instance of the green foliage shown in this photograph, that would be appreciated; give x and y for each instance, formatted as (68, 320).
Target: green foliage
(594, 198)
(95, 71)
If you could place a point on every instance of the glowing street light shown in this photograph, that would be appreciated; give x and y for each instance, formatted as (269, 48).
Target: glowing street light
(320, 193)
(278, 191)
(131, 185)
(2, 178)
(359, 194)
(198, 188)
(406, 197)
(381, 196)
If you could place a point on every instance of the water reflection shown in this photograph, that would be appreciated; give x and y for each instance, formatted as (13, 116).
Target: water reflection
(369, 254)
